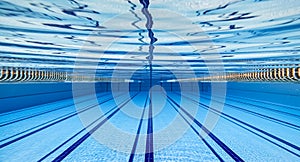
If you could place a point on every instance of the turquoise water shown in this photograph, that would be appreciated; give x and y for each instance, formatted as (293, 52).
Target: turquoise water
(254, 125)
(138, 51)
(243, 34)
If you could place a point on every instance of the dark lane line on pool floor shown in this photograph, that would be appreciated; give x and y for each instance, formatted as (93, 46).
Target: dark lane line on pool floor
(51, 124)
(250, 126)
(194, 129)
(149, 155)
(232, 154)
(267, 102)
(32, 107)
(253, 103)
(35, 94)
(138, 132)
(87, 135)
(42, 113)
(237, 98)
(266, 117)
(256, 103)
(82, 130)
(37, 126)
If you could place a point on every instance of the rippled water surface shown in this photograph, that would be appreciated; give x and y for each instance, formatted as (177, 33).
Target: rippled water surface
(168, 36)
(50, 45)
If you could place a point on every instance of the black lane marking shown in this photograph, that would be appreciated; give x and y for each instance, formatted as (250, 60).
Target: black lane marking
(262, 107)
(35, 107)
(51, 124)
(286, 94)
(23, 109)
(87, 135)
(268, 103)
(251, 126)
(194, 129)
(30, 108)
(230, 120)
(275, 120)
(233, 155)
(149, 156)
(42, 113)
(138, 133)
(82, 130)
(34, 94)
(12, 136)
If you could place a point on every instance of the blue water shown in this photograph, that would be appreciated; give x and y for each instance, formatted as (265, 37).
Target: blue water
(254, 125)
(143, 113)
(244, 34)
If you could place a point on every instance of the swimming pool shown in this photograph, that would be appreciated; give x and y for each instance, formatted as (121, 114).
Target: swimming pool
(148, 80)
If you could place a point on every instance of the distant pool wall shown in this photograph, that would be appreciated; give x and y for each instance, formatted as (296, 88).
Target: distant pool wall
(276, 92)
(14, 96)
(17, 96)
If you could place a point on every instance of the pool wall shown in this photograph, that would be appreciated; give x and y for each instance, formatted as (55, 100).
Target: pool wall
(18, 96)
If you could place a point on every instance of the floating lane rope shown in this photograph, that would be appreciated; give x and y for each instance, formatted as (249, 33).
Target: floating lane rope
(261, 75)
(17, 74)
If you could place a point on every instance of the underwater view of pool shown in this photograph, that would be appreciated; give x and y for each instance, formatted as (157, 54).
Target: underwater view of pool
(150, 80)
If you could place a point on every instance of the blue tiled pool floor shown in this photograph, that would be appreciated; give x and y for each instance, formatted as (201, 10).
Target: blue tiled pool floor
(250, 130)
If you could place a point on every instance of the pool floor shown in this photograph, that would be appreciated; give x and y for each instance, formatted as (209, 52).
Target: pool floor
(247, 129)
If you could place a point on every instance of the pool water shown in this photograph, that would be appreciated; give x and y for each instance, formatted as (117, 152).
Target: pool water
(255, 124)
(149, 80)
